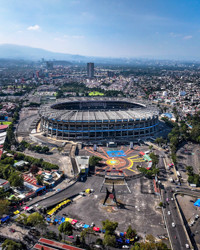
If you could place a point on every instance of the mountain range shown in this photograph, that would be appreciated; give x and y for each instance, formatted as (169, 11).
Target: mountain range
(11, 51)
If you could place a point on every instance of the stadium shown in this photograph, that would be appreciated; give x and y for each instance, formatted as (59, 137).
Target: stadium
(98, 120)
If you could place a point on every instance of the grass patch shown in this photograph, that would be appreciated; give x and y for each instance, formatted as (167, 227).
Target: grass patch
(96, 93)
(5, 123)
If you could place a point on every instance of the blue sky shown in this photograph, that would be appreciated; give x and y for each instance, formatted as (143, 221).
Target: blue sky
(110, 28)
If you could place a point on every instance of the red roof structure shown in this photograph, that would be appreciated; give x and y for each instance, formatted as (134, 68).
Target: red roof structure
(2, 127)
(38, 246)
(30, 180)
(50, 243)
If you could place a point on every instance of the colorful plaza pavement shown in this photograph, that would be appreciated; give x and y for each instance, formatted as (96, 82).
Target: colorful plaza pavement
(123, 159)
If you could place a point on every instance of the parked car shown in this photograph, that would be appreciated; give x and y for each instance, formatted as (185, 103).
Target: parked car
(173, 224)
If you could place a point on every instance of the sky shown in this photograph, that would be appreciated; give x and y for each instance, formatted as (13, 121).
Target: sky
(165, 29)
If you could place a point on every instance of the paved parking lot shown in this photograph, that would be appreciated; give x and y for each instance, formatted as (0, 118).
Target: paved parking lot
(139, 208)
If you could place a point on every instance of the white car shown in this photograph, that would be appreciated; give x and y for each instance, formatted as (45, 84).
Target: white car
(168, 212)
(173, 224)
(187, 246)
(172, 199)
(125, 246)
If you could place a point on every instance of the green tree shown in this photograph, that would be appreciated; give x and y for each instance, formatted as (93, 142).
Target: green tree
(109, 226)
(189, 170)
(94, 160)
(36, 219)
(150, 238)
(130, 233)
(4, 207)
(65, 228)
(78, 241)
(87, 234)
(191, 179)
(11, 245)
(22, 219)
(155, 159)
(40, 179)
(99, 241)
(109, 240)
(16, 179)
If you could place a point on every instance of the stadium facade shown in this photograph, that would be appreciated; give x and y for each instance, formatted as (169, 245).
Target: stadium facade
(99, 120)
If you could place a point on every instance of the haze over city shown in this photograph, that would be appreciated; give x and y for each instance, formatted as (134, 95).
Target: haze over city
(116, 28)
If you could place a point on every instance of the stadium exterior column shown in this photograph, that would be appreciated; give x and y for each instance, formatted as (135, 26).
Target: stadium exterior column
(68, 126)
(48, 129)
(62, 130)
(115, 127)
(121, 129)
(57, 131)
(51, 129)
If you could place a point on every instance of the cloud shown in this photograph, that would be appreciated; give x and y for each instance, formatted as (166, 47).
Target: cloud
(34, 27)
(187, 37)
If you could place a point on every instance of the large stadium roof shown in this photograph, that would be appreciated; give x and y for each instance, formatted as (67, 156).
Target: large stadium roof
(75, 114)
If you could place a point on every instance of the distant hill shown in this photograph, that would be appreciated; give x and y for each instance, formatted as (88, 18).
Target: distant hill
(18, 52)
(10, 51)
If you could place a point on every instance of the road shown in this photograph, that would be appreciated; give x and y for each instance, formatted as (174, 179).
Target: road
(177, 234)
(71, 191)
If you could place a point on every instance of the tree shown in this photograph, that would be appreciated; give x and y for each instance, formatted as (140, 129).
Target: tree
(34, 169)
(109, 240)
(155, 159)
(3, 194)
(51, 235)
(16, 179)
(94, 160)
(130, 233)
(36, 219)
(150, 238)
(45, 150)
(150, 246)
(11, 245)
(189, 170)
(40, 179)
(87, 234)
(99, 241)
(109, 226)
(65, 228)
(4, 207)
(78, 241)
(22, 219)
